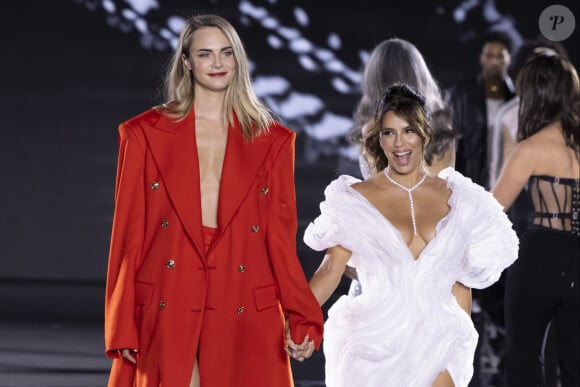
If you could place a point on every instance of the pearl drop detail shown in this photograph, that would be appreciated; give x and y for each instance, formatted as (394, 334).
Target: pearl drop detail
(409, 192)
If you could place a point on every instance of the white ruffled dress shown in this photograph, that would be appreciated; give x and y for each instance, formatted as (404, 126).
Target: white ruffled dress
(406, 326)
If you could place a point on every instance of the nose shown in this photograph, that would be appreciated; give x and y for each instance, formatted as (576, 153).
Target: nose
(217, 62)
(398, 140)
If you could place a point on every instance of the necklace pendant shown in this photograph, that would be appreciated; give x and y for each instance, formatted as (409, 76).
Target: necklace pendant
(409, 192)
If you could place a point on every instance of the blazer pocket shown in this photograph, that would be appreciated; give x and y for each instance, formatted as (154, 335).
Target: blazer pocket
(266, 297)
(143, 292)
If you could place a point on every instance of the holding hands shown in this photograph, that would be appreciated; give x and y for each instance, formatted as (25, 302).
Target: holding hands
(301, 351)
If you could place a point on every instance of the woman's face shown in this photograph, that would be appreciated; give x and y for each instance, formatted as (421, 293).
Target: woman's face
(211, 59)
(401, 144)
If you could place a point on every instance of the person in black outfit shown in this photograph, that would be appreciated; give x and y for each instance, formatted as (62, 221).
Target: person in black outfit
(542, 285)
(475, 101)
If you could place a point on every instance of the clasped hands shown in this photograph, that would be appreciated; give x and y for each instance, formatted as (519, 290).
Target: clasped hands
(300, 351)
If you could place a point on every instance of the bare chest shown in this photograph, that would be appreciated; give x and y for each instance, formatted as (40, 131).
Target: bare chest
(211, 148)
(422, 215)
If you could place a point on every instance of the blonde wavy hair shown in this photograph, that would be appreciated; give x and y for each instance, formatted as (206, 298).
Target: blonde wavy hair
(254, 117)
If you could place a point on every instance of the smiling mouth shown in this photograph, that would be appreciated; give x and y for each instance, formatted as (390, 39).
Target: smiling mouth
(402, 158)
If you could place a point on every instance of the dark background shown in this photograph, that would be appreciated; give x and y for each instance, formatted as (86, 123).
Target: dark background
(69, 75)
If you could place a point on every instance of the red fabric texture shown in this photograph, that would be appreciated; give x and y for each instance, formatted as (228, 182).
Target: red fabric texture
(225, 300)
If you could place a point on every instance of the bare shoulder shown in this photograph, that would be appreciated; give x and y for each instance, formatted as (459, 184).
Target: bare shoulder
(547, 143)
(437, 187)
(550, 152)
(362, 186)
(436, 182)
(369, 185)
(527, 149)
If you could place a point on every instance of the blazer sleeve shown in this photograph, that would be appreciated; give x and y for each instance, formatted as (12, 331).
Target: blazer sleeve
(125, 246)
(299, 304)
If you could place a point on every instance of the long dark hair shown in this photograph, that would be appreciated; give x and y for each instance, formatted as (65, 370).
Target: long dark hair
(549, 90)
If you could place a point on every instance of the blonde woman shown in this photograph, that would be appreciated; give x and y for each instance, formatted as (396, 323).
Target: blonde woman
(204, 286)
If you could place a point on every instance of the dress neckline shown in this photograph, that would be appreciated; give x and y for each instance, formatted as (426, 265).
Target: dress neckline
(438, 225)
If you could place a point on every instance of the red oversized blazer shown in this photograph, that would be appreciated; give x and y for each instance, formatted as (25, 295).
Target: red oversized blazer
(169, 298)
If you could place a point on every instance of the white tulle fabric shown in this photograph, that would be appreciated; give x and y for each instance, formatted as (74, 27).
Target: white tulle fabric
(406, 326)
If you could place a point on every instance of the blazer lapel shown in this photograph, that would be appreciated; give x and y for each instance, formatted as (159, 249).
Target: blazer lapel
(175, 152)
(242, 162)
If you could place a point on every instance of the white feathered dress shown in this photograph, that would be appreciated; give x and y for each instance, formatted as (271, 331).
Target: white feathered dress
(406, 326)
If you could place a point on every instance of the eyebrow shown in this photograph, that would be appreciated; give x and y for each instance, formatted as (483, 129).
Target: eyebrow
(209, 50)
(405, 128)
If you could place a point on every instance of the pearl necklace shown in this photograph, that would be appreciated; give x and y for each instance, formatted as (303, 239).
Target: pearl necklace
(409, 191)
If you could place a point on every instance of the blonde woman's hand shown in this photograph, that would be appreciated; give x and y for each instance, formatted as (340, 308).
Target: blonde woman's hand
(128, 354)
(301, 351)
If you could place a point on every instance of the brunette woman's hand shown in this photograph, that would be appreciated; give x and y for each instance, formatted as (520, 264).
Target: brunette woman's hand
(299, 352)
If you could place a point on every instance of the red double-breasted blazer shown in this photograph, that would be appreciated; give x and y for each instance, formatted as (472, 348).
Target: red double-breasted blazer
(169, 298)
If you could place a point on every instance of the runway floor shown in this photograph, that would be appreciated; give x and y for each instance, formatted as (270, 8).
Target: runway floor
(70, 354)
(45, 354)
(52, 355)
